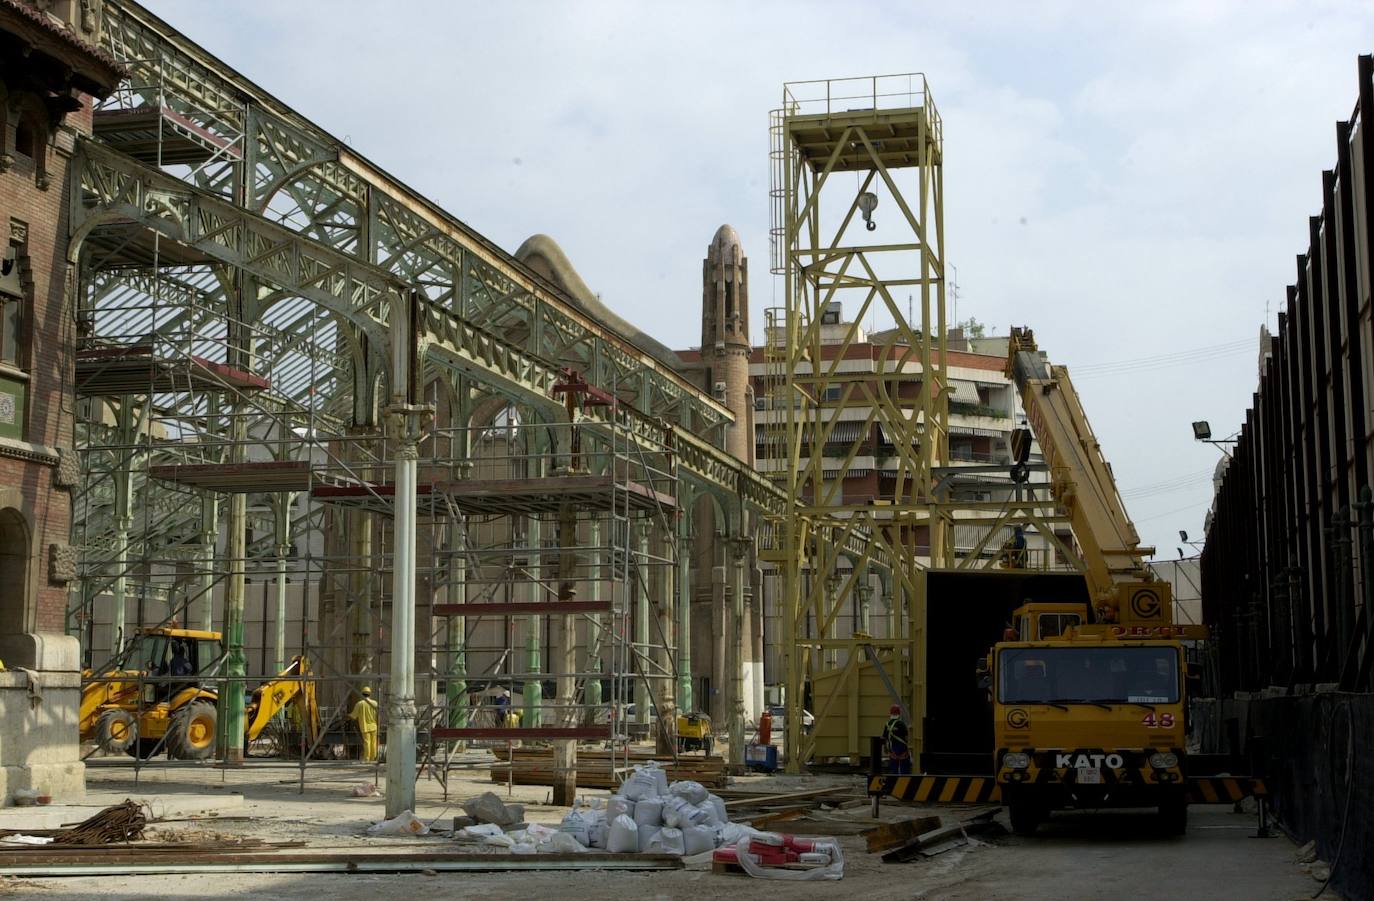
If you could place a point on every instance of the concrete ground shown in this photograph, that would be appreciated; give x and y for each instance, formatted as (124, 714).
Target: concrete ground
(1116, 855)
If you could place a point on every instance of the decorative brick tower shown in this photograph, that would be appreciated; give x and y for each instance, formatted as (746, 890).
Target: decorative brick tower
(725, 336)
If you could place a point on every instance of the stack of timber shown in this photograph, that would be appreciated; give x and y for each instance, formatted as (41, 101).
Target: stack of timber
(596, 769)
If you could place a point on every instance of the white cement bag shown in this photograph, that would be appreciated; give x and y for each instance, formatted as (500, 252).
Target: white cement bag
(672, 811)
(575, 824)
(646, 835)
(722, 815)
(649, 812)
(596, 834)
(564, 842)
(693, 792)
(708, 811)
(694, 815)
(618, 805)
(733, 833)
(660, 776)
(667, 841)
(623, 836)
(641, 784)
(696, 839)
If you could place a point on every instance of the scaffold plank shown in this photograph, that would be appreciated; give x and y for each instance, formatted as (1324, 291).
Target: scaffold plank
(549, 733)
(515, 608)
(138, 370)
(235, 478)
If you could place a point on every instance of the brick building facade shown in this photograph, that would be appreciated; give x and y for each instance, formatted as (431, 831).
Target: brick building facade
(50, 71)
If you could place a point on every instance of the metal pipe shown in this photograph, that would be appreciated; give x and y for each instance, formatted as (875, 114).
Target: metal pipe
(283, 512)
(739, 549)
(641, 646)
(456, 687)
(534, 688)
(209, 529)
(592, 689)
(684, 614)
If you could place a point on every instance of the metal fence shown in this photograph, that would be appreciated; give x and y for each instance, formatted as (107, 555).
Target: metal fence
(1288, 568)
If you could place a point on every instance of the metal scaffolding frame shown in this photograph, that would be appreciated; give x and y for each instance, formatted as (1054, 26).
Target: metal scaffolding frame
(263, 316)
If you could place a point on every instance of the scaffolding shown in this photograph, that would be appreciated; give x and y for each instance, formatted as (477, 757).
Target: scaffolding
(230, 430)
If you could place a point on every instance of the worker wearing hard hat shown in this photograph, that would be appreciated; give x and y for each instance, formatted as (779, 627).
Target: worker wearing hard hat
(364, 713)
(895, 743)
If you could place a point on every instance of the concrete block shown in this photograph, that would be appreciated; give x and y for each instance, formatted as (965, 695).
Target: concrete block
(66, 782)
(44, 651)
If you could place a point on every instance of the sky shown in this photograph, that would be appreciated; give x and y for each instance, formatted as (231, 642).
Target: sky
(1132, 180)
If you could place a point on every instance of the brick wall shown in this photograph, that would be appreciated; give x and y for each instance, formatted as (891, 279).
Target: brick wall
(40, 215)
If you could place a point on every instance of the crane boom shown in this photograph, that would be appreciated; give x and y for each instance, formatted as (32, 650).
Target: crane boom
(1122, 587)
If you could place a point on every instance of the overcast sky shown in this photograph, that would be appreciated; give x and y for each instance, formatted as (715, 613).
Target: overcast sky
(1132, 180)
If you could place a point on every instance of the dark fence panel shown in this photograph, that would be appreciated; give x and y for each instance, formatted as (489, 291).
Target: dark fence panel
(1288, 568)
(1314, 750)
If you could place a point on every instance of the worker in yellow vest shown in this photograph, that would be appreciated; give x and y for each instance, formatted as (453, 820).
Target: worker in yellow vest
(364, 714)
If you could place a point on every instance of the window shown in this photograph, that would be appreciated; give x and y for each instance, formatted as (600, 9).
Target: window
(14, 562)
(24, 138)
(11, 299)
(1091, 675)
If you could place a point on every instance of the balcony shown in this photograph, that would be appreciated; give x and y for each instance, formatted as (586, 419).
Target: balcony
(960, 408)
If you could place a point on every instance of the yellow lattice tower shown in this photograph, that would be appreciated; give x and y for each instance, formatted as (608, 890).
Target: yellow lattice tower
(858, 226)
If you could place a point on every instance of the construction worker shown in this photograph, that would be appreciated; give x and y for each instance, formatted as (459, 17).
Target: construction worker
(895, 743)
(364, 714)
(1014, 550)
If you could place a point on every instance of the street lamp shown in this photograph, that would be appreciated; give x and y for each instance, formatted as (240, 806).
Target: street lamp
(1202, 431)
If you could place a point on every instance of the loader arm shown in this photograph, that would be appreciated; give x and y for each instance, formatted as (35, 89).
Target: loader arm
(291, 686)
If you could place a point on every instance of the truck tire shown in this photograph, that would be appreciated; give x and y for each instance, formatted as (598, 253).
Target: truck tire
(1025, 816)
(191, 735)
(116, 731)
(1173, 816)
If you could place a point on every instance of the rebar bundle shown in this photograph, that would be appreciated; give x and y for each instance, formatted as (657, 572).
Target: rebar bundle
(118, 823)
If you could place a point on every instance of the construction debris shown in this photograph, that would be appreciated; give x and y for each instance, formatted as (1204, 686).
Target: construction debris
(487, 808)
(893, 835)
(939, 840)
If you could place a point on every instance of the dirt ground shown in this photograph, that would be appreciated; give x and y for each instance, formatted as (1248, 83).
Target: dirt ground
(1085, 855)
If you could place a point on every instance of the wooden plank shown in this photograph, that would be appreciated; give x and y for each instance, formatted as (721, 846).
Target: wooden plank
(892, 835)
(789, 796)
(766, 820)
(912, 849)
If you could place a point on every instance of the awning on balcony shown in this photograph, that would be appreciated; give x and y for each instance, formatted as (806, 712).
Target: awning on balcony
(962, 392)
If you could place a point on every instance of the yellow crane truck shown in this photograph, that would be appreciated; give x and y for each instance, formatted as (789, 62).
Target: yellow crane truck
(1087, 715)
(1088, 700)
(153, 696)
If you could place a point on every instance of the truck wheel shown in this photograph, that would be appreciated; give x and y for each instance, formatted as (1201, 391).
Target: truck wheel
(706, 746)
(1173, 817)
(191, 735)
(116, 731)
(1025, 817)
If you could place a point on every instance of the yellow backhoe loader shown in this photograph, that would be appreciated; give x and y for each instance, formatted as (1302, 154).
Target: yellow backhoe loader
(157, 695)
